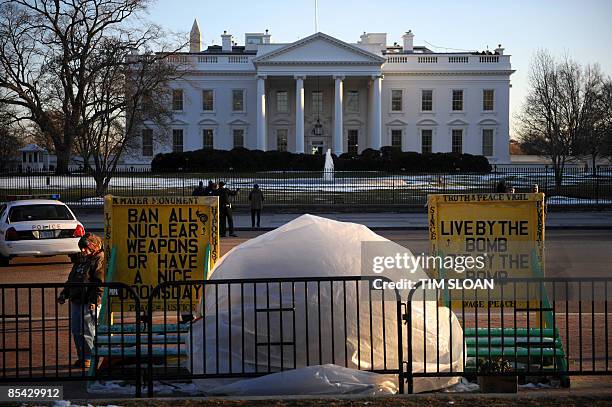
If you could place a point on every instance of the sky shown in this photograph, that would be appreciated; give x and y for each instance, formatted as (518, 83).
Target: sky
(580, 29)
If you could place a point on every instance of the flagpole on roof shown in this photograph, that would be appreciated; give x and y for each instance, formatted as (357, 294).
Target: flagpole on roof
(316, 17)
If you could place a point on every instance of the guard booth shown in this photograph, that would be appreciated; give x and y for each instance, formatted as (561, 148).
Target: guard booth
(514, 321)
(152, 240)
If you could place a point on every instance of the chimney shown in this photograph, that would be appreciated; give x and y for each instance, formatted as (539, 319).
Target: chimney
(195, 39)
(226, 42)
(499, 50)
(408, 41)
(266, 38)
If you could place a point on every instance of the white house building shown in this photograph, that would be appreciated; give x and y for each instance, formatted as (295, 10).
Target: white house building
(320, 92)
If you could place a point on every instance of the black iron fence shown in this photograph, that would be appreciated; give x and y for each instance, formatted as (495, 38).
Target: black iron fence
(555, 327)
(579, 188)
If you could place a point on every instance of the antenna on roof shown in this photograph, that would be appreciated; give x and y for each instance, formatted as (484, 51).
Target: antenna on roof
(316, 16)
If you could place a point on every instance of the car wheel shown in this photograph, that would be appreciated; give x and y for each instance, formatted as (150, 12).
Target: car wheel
(4, 261)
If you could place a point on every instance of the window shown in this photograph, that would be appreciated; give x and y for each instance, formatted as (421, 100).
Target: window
(426, 141)
(177, 140)
(207, 139)
(238, 138)
(238, 100)
(396, 138)
(458, 99)
(457, 142)
(427, 100)
(487, 142)
(177, 99)
(396, 100)
(281, 139)
(488, 99)
(317, 102)
(282, 101)
(29, 213)
(353, 142)
(147, 142)
(352, 101)
(208, 100)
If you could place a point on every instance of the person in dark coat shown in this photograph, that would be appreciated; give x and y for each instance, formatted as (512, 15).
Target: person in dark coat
(501, 187)
(256, 199)
(225, 209)
(89, 267)
(199, 190)
(209, 189)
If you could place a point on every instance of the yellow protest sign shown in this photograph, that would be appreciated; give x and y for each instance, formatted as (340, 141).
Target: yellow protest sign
(157, 239)
(505, 230)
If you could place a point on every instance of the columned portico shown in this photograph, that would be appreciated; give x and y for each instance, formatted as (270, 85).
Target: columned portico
(261, 113)
(299, 114)
(338, 125)
(375, 104)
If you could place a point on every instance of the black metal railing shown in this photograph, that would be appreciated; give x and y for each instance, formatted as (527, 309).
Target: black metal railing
(248, 328)
(539, 326)
(37, 344)
(256, 327)
(406, 189)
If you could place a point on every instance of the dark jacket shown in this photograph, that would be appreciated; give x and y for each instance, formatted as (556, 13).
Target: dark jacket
(89, 269)
(256, 198)
(224, 197)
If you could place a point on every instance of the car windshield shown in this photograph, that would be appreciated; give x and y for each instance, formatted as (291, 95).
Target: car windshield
(25, 213)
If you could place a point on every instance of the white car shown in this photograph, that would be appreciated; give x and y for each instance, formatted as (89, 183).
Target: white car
(37, 227)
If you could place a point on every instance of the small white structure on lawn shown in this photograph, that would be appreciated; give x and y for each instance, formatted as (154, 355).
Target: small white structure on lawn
(330, 340)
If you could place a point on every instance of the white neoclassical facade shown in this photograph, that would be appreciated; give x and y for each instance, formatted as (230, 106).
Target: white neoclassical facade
(320, 92)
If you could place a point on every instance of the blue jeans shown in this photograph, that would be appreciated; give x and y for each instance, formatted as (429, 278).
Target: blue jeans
(83, 328)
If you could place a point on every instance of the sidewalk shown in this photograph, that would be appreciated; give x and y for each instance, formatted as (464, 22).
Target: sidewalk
(93, 220)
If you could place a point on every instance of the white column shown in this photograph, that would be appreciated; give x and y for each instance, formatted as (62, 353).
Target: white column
(338, 125)
(261, 113)
(299, 114)
(376, 113)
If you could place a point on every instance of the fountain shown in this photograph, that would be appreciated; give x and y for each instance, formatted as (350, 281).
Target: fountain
(328, 169)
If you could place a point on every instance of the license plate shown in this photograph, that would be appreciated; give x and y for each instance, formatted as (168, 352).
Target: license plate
(47, 234)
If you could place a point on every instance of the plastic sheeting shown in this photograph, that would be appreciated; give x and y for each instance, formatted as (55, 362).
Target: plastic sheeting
(311, 246)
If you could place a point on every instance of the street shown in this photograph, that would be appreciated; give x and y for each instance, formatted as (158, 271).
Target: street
(572, 253)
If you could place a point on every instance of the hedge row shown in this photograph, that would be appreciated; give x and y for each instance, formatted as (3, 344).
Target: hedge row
(387, 159)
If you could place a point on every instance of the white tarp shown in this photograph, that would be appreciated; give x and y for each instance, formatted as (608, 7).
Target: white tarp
(311, 246)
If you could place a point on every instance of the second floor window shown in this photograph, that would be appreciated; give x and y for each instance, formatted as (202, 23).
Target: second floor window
(457, 99)
(208, 100)
(177, 99)
(238, 100)
(427, 100)
(352, 101)
(238, 138)
(177, 140)
(396, 100)
(317, 102)
(147, 142)
(488, 99)
(282, 101)
(207, 139)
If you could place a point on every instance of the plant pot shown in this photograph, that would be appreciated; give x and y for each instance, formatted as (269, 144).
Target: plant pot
(498, 384)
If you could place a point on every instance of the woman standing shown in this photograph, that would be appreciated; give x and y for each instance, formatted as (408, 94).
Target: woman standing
(89, 267)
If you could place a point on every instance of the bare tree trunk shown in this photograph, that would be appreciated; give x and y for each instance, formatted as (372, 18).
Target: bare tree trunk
(62, 153)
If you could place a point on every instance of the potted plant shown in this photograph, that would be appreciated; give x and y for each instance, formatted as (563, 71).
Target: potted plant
(496, 384)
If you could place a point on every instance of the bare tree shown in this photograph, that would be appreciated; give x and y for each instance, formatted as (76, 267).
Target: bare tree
(542, 115)
(50, 53)
(562, 111)
(10, 140)
(121, 99)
